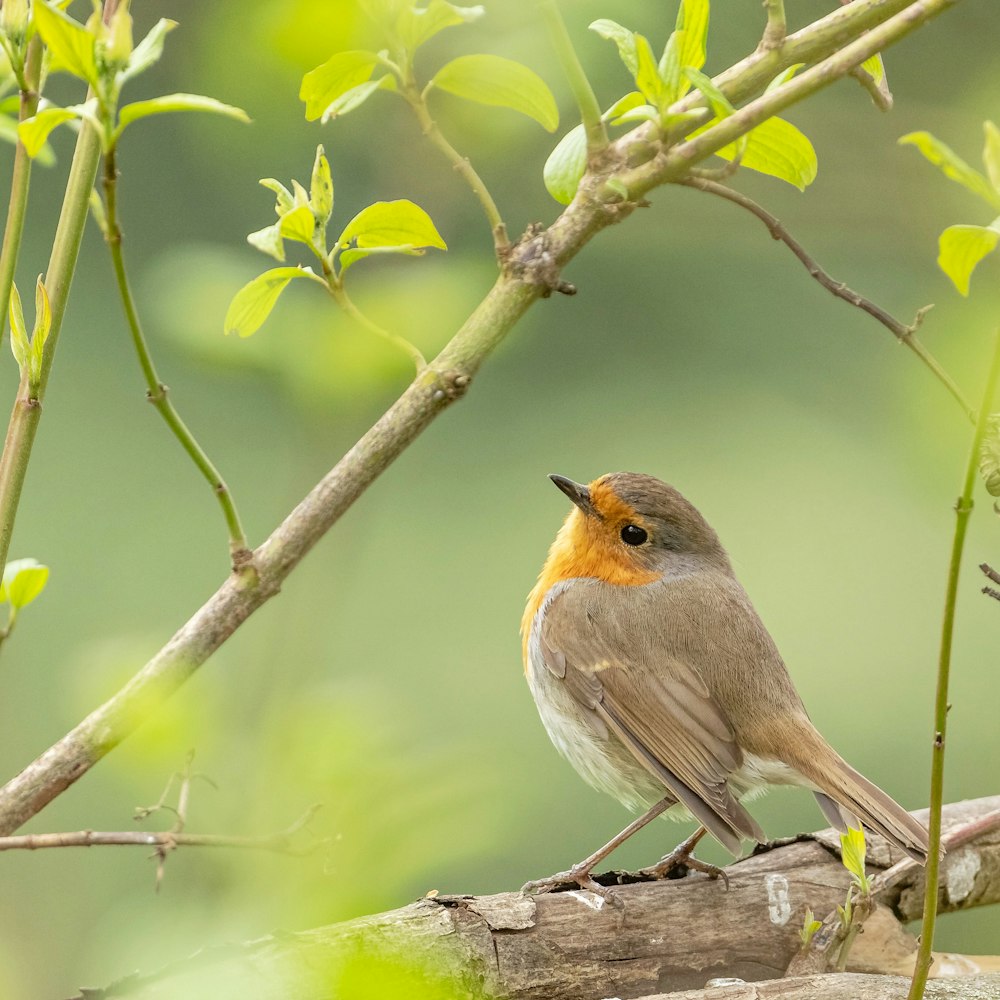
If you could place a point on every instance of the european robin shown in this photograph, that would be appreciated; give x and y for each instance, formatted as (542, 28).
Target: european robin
(658, 682)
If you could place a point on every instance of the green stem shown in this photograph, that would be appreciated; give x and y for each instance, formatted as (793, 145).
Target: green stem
(342, 299)
(20, 181)
(590, 110)
(963, 508)
(156, 391)
(27, 409)
(418, 101)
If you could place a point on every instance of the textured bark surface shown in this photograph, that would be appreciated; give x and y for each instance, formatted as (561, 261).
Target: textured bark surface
(669, 936)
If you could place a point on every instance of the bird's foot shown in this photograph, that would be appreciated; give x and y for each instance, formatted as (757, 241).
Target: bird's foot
(679, 858)
(579, 876)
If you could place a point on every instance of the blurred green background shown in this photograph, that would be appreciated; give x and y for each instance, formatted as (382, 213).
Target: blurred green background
(385, 681)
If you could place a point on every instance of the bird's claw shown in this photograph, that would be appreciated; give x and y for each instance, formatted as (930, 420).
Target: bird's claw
(675, 859)
(576, 877)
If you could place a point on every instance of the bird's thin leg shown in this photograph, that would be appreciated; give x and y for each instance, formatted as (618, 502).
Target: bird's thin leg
(580, 874)
(683, 854)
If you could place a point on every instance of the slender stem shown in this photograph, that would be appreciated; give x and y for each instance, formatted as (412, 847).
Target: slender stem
(418, 101)
(963, 508)
(586, 101)
(19, 182)
(156, 391)
(342, 299)
(905, 334)
(777, 27)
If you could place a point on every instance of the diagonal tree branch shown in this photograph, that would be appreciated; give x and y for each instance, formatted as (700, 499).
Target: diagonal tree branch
(531, 271)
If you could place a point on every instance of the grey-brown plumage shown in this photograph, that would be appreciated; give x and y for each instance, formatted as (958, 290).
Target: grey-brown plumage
(655, 676)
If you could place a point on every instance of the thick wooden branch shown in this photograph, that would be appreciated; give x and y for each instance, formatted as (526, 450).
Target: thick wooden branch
(667, 936)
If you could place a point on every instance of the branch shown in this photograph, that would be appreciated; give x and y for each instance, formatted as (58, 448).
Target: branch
(905, 334)
(531, 270)
(569, 946)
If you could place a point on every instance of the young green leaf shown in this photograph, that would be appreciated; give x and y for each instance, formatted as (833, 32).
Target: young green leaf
(416, 25)
(875, 68)
(654, 83)
(499, 82)
(355, 97)
(961, 248)
(321, 188)
(353, 255)
(391, 223)
(71, 45)
(284, 200)
(777, 148)
(148, 52)
(991, 154)
(35, 131)
(19, 342)
(43, 323)
(269, 240)
(719, 103)
(566, 165)
(253, 303)
(623, 38)
(324, 84)
(23, 581)
(783, 77)
(176, 102)
(692, 19)
(952, 165)
(852, 854)
(299, 224)
(809, 927)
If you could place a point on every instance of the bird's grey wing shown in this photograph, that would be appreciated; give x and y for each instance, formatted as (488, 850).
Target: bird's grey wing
(623, 669)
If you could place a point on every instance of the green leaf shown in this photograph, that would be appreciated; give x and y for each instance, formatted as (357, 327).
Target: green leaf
(809, 927)
(499, 82)
(417, 25)
(43, 323)
(719, 103)
(35, 131)
(623, 38)
(624, 104)
(299, 224)
(692, 19)
(852, 852)
(283, 195)
(321, 188)
(176, 102)
(961, 248)
(648, 78)
(392, 224)
(71, 45)
(875, 68)
(353, 255)
(783, 77)
(991, 154)
(253, 303)
(566, 164)
(23, 581)
(148, 52)
(268, 240)
(19, 343)
(777, 148)
(640, 113)
(355, 97)
(952, 165)
(340, 73)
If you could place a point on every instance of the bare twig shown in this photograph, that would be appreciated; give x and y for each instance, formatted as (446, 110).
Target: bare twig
(905, 334)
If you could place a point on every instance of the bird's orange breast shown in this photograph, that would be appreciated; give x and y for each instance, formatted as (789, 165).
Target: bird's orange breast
(584, 548)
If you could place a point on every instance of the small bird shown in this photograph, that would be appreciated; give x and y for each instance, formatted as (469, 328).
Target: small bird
(656, 679)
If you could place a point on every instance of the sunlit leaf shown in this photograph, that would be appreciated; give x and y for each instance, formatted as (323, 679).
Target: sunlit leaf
(283, 196)
(253, 303)
(991, 154)
(777, 148)
(268, 240)
(148, 52)
(647, 77)
(392, 223)
(299, 224)
(35, 131)
(355, 97)
(692, 19)
(717, 100)
(340, 73)
(623, 38)
(354, 254)
(952, 165)
(417, 25)
(961, 248)
(321, 188)
(23, 581)
(19, 343)
(875, 68)
(69, 42)
(499, 82)
(177, 102)
(566, 165)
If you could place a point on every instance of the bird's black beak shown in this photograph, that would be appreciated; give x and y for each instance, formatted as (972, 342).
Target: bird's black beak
(578, 493)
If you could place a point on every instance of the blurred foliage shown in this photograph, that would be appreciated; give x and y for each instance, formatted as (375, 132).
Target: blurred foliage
(385, 681)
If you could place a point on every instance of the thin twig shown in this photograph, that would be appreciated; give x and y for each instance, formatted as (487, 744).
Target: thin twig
(156, 392)
(905, 334)
(343, 300)
(777, 27)
(963, 509)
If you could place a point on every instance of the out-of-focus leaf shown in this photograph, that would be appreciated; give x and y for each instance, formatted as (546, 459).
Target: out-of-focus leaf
(342, 72)
(392, 223)
(177, 102)
(148, 52)
(991, 153)
(253, 303)
(952, 165)
(299, 224)
(566, 165)
(355, 97)
(23, 581)
(321, 188)
(353, 255)
(961, 248)
(71, 45)
(416, 25)
(35, 131)
(268, 240)
(499, 82)
(623, 38)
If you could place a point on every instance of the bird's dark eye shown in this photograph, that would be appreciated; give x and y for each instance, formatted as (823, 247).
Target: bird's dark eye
(632, 534)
